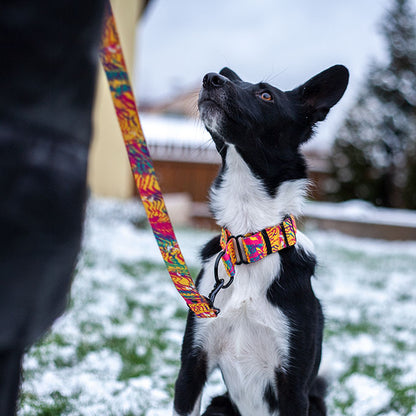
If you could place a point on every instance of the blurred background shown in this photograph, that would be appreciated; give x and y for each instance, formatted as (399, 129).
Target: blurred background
(364, 151)
(116, 351)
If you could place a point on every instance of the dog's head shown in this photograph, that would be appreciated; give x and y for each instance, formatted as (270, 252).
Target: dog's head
(265, 124)
(242, 113)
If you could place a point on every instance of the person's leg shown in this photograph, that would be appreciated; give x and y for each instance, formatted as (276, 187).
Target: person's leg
(50, 53)
(43, 189)
(10, 369)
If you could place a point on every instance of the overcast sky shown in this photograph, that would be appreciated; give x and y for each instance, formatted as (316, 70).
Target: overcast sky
(282, 42)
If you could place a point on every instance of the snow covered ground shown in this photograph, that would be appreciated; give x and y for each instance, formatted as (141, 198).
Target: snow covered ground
(116, 351)
(361, 212)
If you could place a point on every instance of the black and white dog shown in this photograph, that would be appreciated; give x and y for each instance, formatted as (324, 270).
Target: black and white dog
(267, 338)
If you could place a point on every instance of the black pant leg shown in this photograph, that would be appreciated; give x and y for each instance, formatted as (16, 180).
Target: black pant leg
(10, 372)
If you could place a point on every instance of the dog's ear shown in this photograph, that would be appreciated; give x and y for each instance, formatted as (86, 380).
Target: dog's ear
(231, 75)
(323, 91)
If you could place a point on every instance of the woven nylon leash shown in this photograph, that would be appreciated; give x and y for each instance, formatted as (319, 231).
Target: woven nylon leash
(147, 184)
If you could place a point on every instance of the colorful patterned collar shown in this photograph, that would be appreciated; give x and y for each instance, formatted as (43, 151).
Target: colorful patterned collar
(249, 248)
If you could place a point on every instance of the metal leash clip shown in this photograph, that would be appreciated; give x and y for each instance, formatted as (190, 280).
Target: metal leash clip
(219, 283)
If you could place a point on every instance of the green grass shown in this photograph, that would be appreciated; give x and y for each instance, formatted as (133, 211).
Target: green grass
(59, 405)
(116, 351)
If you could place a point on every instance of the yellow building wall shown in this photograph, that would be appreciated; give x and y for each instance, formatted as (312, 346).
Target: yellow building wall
(109, 171)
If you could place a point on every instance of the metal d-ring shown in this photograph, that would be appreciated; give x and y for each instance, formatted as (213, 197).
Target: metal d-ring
(219, 283)
(217, 262)
(216, 265)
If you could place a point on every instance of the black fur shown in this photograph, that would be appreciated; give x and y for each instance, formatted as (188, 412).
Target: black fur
(193, 373)
(211, 248)
(271, 399)
(268, 134)
(267, 127)
(293, 294)
(221, 405)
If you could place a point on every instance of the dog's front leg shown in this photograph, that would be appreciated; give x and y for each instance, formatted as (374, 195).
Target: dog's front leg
(293, 401)
(192, 375)
(189, 385)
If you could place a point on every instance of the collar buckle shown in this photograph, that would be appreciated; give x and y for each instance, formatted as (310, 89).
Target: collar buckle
(239, 251)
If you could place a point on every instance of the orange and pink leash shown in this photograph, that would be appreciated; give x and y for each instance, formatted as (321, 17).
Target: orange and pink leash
(147, 184)
(242, 249)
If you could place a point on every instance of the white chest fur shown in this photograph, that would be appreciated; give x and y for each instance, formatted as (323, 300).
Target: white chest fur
(250, 338)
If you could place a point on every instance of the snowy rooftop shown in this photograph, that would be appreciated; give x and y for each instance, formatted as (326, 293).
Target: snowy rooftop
(178, 131)
(174, 131)
(178, 138)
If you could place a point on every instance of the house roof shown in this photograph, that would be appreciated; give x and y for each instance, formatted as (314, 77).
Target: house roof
(184, 104)
(178, 138)
(175, 131)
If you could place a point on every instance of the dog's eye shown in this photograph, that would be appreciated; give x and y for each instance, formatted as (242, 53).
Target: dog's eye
(266, 96)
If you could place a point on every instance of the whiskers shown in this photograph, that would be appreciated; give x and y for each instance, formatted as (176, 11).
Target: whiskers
(203, 148)
(272, 77)
(193, 104)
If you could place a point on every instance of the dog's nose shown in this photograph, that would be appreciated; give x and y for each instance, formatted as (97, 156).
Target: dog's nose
(213, 80)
